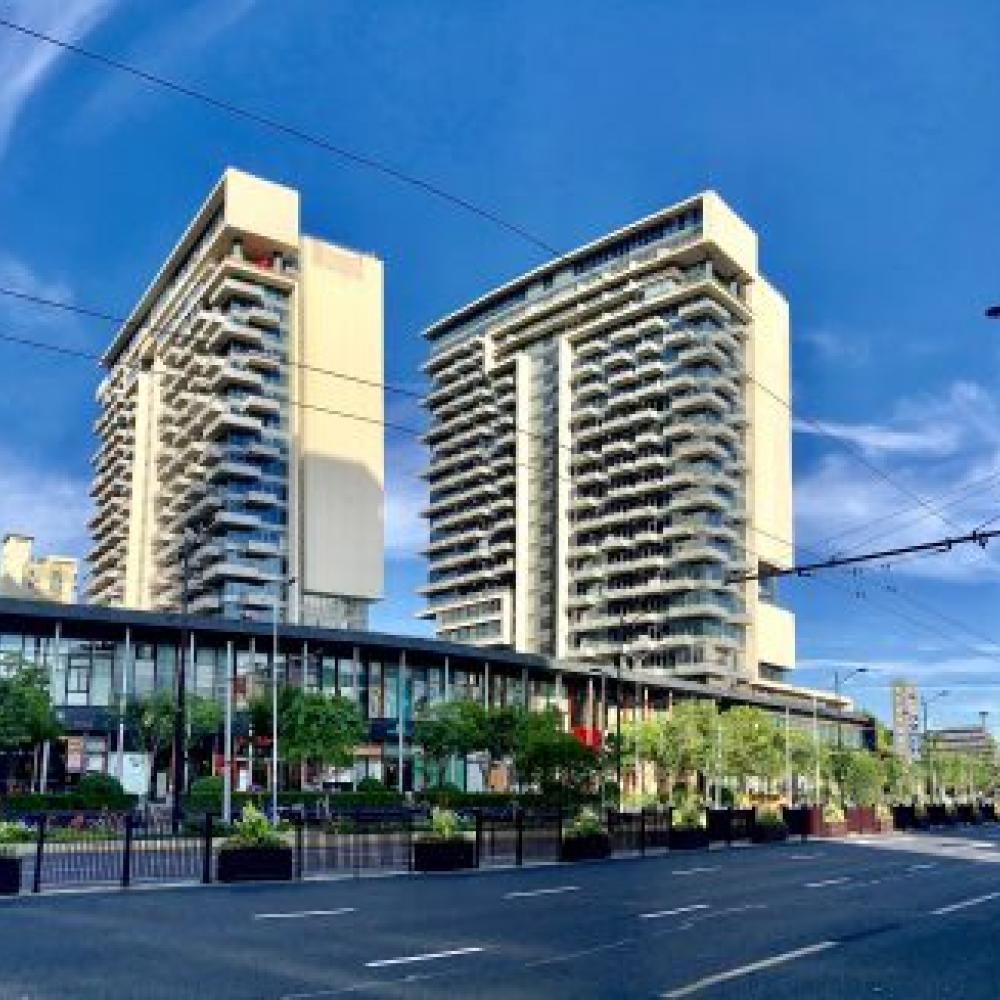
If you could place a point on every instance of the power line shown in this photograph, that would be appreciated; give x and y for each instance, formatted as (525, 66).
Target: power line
(935, 545)
(389, 387)
(291, 131)
(428, 187)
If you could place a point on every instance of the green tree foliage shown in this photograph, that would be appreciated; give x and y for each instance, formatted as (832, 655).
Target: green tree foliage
(680, 744)
(861, 776)
(319, 729)
(750, 745)
(547, 756)
(152, 718)
(26, 714)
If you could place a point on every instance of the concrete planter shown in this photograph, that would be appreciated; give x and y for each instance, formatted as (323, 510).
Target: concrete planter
(10, 875)
(590, 847)
(688, 838)
(443, 855)
(255, 864)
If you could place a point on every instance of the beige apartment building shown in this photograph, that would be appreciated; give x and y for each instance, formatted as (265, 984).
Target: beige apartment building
(50, 577)
(240, 461)
(606, 453)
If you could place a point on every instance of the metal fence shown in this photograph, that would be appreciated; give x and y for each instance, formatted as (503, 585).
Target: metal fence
(79, 850)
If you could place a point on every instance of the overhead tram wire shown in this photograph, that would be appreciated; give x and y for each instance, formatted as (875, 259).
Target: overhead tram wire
(351, 156)
(79, 354)
(93, 312)
(371, 163)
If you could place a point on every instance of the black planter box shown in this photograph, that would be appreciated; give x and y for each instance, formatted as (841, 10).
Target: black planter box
(768, 833)
(10, 876)
(255, 864)
(443, 855)
(686, 839)
(591, 847)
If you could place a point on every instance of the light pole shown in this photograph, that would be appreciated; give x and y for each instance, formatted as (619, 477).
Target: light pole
(838, 681)
(925, 704)
(286, 583)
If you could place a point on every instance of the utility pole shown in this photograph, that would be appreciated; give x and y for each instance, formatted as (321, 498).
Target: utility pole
(837, 681)
(925, 705)
(180, 685)
(278, 584)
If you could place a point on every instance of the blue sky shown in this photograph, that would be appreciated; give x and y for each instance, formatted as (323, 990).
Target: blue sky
(859, 139)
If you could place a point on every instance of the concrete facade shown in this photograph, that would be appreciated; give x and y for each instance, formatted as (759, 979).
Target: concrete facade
(609, 442)
(224, 445)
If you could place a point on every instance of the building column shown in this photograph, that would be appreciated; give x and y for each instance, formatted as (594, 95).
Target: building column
(400, 715)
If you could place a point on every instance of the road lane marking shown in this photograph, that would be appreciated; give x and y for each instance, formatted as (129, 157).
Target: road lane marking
(542, 892)
(429, 956)
(746, 970)
(672, 913)
(805, 857)
(828, 881)
(923, 867)
(301, 914)
(583, 953)
(942, 910)
(695, 871)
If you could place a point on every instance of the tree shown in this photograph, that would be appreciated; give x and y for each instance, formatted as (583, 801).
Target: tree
(152, 718)
(321, 729)
(456, 728)
(27, 718)
(860, 775)
(204, 717)
(550, 758)
(750, 745)
(681, 743)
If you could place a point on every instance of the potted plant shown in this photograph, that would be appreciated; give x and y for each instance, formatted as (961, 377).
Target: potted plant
(12, 834)
(443, 848)
(768, 826)
(254, 852)
(585, 839)
(834, 822)
(688, 827)
(883, 818)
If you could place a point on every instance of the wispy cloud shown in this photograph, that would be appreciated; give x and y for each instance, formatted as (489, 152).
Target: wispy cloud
(43, 502)
(170, 46)
(835, 347)
(25, 62)
(943, 448)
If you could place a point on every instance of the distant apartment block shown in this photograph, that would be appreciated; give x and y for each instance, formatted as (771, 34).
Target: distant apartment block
(606, 451)
(972, 740)
(241, 410)
(905, 720)
(52, 578)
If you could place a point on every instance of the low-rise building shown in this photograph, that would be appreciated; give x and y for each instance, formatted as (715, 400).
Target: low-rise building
(50, 577)
(98, 657)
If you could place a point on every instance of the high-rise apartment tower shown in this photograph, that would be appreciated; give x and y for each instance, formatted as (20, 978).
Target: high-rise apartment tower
(240, 460)
(610, 444)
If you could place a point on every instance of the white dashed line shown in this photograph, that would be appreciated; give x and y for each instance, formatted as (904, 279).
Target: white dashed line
(542, 892)
(828, 881)
(673, 913)
(942, 910)
(429, 956)
(300, 914)
(746, 970)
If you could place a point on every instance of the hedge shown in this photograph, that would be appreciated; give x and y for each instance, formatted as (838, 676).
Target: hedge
(21, 805)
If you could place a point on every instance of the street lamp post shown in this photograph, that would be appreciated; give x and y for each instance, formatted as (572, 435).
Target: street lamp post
(286, 583)
(925, 704)
(838, 681)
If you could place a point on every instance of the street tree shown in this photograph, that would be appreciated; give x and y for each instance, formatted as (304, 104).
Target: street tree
(750, 747)
(321, 729)
(27, 718)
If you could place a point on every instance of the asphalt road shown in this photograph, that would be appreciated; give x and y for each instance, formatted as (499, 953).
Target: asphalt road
(893, 917)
